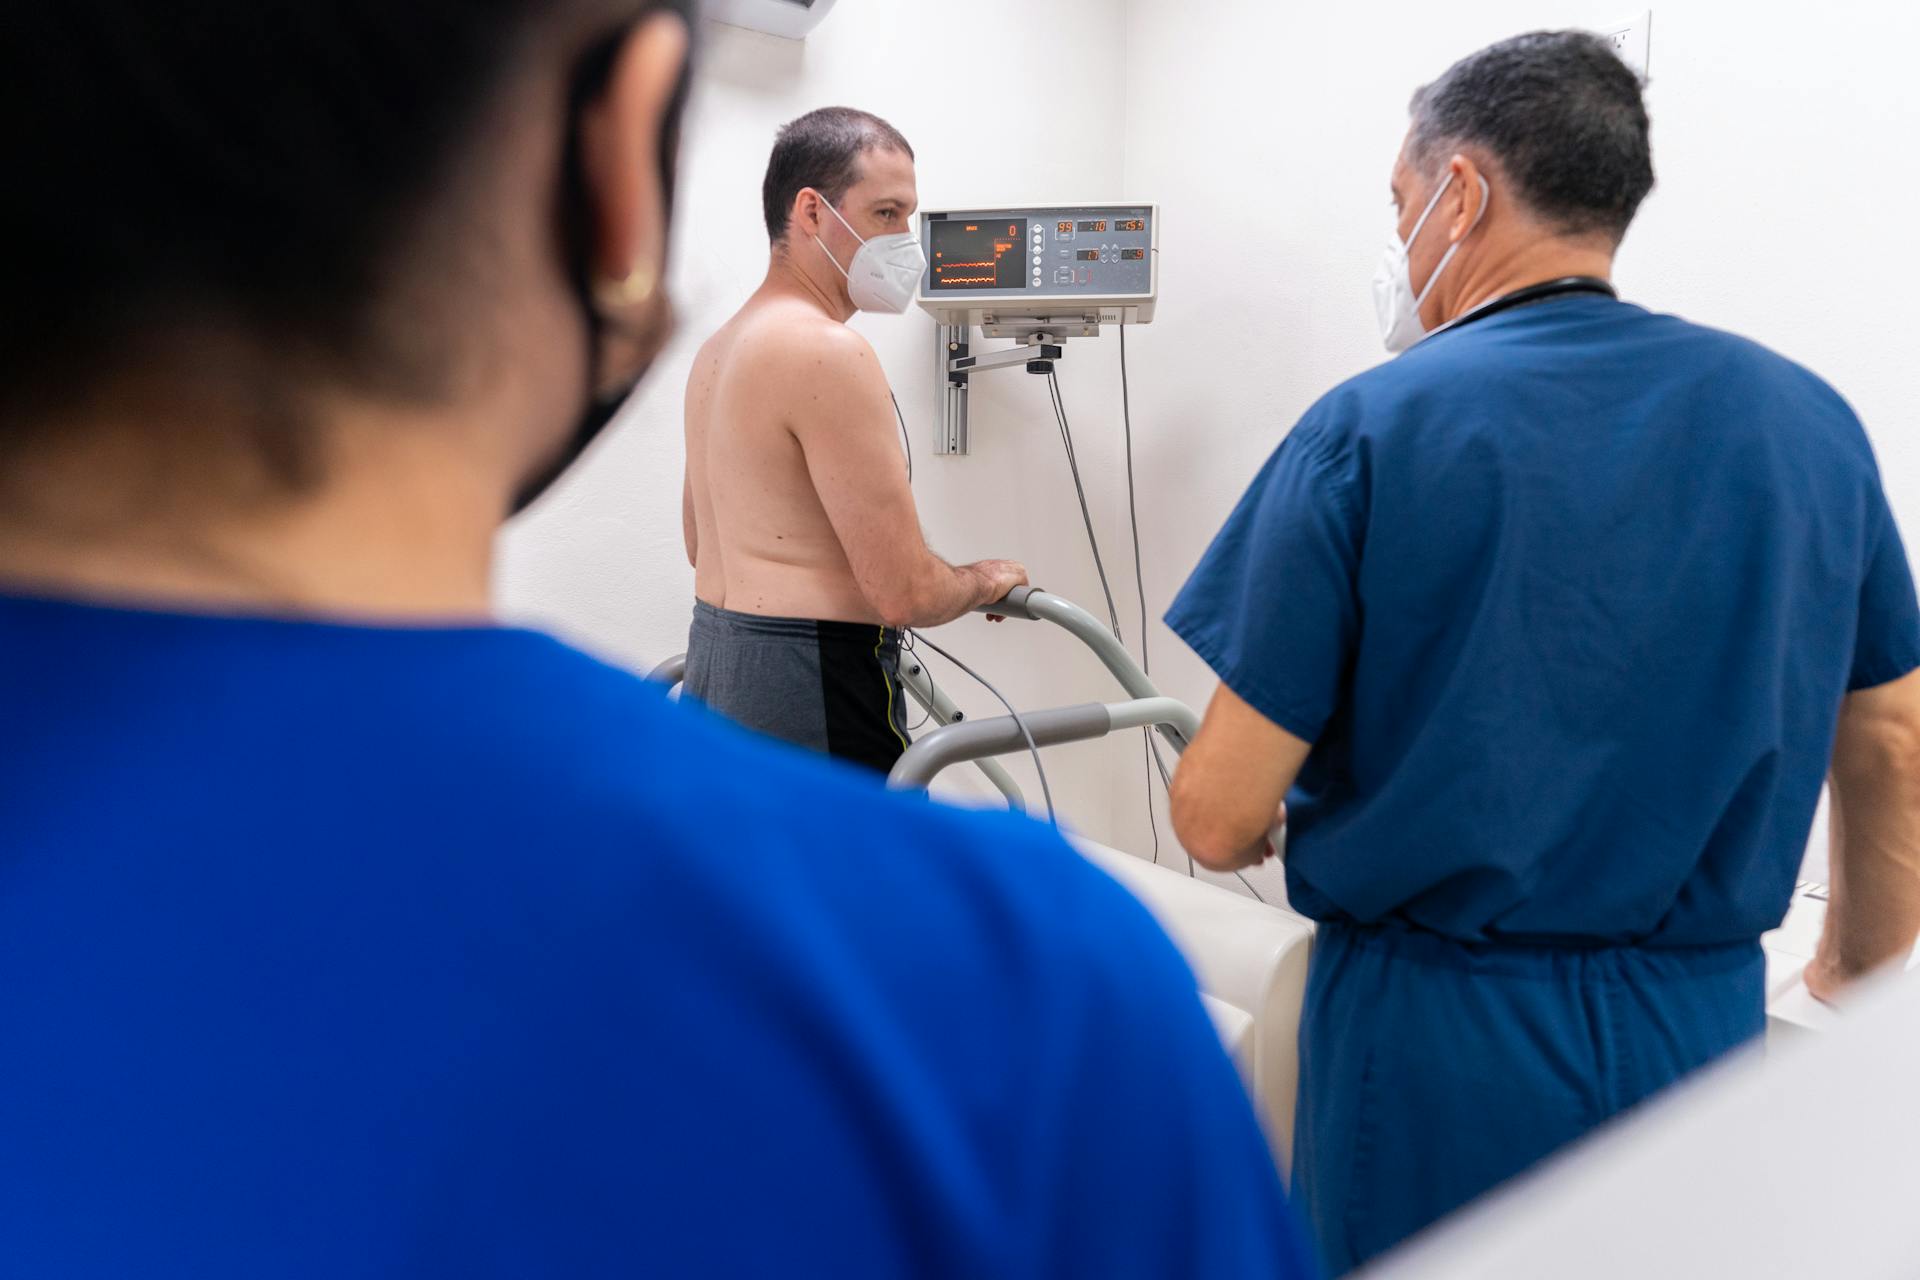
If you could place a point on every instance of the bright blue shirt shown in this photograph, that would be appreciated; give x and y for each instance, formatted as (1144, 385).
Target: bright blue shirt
(334, 950)
(1566, 601)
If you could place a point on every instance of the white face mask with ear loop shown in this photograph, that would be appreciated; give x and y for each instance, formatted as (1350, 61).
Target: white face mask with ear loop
(885, 271)
(1394, 300)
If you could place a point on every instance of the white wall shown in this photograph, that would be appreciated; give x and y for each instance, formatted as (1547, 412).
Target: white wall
(1786, 210)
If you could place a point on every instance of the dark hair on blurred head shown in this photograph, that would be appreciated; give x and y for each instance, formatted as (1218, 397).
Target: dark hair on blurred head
(1563, 116)
(273, 168)
(822, 150)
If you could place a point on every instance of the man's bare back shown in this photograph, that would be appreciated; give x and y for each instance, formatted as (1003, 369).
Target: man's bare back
(760, 540)
(800, 524)
(797, 500)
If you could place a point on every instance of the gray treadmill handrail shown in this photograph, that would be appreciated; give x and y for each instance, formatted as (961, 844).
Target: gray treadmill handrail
(673, 672)
(973, 740)
(1035, 605)
(920, 686)
(977, 739)
(1012, 605)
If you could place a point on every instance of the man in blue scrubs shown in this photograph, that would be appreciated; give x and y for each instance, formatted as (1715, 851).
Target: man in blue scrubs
(346, 933)
(1547, 632)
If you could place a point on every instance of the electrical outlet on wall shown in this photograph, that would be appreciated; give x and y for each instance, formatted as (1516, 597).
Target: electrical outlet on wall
(1630, 39)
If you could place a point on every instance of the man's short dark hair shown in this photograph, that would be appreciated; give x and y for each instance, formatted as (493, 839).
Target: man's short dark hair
(822, 150)
(280, 169)
(1561, 115)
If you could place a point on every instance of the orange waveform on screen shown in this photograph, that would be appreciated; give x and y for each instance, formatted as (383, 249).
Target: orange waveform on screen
(969, 280)
(951, 266)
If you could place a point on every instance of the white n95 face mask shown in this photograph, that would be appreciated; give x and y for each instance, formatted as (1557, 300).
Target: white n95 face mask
(885, 272)
(1394, 300)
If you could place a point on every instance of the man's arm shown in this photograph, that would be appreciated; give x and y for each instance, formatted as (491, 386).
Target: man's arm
(1231, 784)
(1874, 914)
(842, 416)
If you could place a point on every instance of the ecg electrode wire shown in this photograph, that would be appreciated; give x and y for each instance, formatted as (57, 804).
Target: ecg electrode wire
(1150, 750)
(1080, 491)
(905, 439)
(1019, 721)
(908, 645)
(1140, 586)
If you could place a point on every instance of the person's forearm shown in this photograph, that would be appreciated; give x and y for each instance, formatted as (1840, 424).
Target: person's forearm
(944, 592)
(1222, 850)
(1230, 788)
(1874, 910)
(1220, 835)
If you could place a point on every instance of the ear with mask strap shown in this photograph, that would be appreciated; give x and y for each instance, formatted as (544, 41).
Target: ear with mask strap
(885, 272)
(598, 299)
(1397, 305)
(1486, 194)
(822, 198)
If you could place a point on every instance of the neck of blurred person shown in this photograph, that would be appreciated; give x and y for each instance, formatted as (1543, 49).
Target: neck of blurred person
(180, 492)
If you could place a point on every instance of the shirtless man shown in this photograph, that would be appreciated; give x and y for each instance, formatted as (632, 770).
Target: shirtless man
(800, 524)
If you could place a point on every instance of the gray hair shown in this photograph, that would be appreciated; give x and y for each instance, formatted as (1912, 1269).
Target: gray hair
(1561, 115)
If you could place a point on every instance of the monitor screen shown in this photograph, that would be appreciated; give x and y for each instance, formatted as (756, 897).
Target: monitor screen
(978, 255)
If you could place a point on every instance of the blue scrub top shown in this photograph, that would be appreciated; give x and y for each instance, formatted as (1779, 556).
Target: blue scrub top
(1567, 601)
(354, 951)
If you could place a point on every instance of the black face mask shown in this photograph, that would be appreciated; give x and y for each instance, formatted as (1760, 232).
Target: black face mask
(587, 427)
(601, 407)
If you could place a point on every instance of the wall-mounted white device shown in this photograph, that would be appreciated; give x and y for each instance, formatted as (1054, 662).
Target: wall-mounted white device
(793, 19)
(1067, 269)
(1037, 273)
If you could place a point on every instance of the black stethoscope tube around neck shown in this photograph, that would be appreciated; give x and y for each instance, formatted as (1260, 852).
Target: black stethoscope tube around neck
(1532, 293)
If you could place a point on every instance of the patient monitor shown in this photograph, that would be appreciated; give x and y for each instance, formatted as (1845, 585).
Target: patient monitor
(1061, 269)
(1040, 274)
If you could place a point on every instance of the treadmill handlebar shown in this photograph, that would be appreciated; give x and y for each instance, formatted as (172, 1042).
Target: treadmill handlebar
(974, 740)
(1012, 605)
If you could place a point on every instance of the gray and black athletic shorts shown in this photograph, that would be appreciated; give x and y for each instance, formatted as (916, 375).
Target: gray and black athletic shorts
(830, 686)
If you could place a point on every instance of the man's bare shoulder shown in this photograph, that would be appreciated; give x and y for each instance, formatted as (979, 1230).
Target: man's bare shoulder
(793, 346)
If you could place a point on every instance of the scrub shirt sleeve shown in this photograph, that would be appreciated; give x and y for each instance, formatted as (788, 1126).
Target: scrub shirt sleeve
(1887, 642)
(1274, 607)
(1162, 1169)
